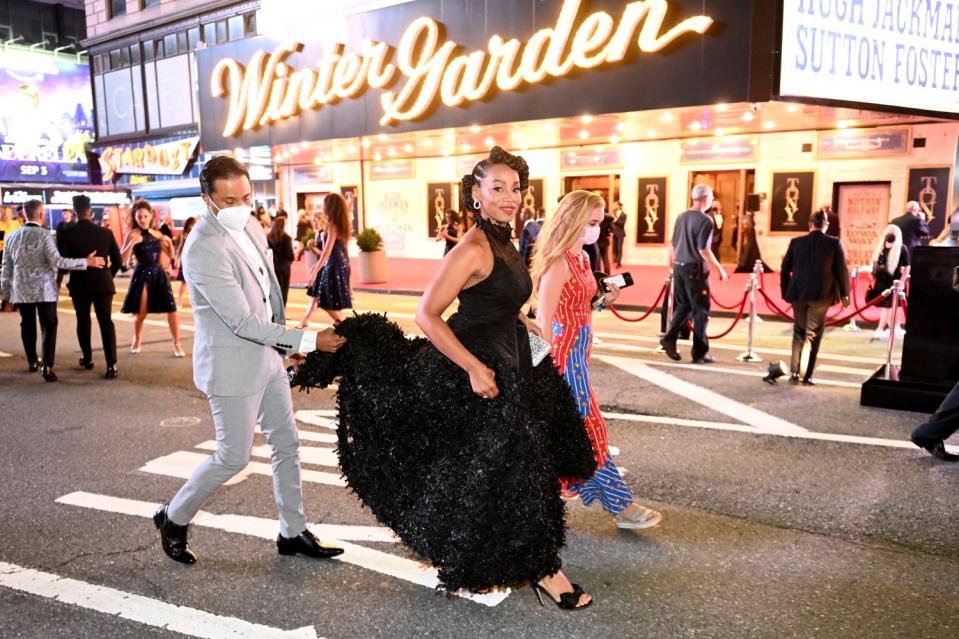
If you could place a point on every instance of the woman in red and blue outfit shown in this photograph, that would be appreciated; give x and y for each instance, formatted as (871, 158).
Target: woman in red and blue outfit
(566, 288)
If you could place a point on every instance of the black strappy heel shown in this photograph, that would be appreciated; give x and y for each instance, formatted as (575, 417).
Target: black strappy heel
(567, 600)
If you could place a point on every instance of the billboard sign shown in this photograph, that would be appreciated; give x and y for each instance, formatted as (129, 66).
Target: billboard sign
(46, 117)
(899, 53)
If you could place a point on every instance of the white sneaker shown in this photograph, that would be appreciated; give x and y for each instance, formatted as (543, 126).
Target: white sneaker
(882, 335)
(900, 331)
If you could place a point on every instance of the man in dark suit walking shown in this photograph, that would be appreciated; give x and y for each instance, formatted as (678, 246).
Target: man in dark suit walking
(94, 288)
(913, 226)
(813, 278)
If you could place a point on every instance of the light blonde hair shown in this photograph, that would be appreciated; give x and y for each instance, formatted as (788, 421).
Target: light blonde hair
(892, 260)
(562, 229)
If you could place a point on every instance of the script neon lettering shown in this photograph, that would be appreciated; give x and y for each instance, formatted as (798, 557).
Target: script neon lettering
(268, 90)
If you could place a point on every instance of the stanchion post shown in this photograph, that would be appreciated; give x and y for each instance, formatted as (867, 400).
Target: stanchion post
(851, 326)
(667, 309)
(751, 286)
(758, 271)
(892, 372)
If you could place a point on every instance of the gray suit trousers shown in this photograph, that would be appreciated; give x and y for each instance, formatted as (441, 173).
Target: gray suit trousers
(235, 420)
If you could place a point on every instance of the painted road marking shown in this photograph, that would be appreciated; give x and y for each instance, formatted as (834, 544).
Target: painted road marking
(308, 454)
(375, 560)
(710, 399)
(183, 463)
(144, 610)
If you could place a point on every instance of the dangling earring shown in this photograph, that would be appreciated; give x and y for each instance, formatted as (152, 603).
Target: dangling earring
(476, 204)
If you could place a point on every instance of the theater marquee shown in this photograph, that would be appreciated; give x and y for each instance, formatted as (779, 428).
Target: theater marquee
(405, 70)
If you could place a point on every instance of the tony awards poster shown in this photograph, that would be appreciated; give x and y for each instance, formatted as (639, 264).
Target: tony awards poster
(439, 200)
(791, 203)
(930, 187)
(352, 196)
(651, 211)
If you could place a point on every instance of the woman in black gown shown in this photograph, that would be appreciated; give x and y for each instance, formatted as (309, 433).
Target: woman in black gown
(458, 443)
(150, 290)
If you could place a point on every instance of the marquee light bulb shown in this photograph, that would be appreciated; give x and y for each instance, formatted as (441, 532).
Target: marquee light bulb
(365, 143)
(583, 134)
(408, 148)
(695, 126)
(651, 133)
(748, 116)
(475, 128)
(586, 119)
(666, 117)
(769, 125)
(488, 141)
(377, 156)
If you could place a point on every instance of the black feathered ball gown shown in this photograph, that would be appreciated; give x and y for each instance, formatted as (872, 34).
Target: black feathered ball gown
(469, 483)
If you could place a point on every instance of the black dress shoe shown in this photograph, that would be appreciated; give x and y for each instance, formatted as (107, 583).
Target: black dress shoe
(111, 373)
(173, 538)
(794, 378)
(47, 373)
(705, 359)
(86, 363)
(306, 544)
(936, 449)
(34, 367)
(670, 350)
(808, 381)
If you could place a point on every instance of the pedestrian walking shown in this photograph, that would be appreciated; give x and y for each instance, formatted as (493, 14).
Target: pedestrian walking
(178, 261)
(281, 246)
(237, 363)
(329, 280)
(814, 276)
(691, 256)
(28, 279)
(940, 427)
(565, 289)
(150, 290)
(92, 287)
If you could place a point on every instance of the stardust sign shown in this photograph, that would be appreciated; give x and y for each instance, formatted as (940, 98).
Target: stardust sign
(424, 70)
(902, 53)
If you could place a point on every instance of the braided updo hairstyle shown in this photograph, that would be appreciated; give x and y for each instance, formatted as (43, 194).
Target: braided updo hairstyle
(497, 155)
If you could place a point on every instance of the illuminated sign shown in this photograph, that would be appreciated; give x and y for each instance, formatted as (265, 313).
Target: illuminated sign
(855, 143)
(97, 198)
(166, 158)
(898, 52)
(45, 117)
(268, 89)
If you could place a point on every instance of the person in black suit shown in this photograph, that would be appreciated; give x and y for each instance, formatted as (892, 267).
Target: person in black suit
(814, 276)
(913, 226)
(94, 288)
(282, 246)
(940, 427)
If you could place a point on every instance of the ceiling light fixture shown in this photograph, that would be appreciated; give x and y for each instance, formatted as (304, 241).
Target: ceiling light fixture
(614, 139)
(748, 116)
(769, 124)
(792, 108)
(475, 128)
(696, 126)
(365, 143)
(377, 156)
(408, 148)
(722, 106)
(666, 117)
(488, 141)
(583, 134)
(651, 133)
(586, 119)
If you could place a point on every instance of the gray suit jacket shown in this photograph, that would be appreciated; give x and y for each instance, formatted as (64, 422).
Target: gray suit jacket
(30, 263)
(238, 331)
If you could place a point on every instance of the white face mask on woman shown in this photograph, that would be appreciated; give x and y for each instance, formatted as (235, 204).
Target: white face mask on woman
(232, 217)
(590, 235)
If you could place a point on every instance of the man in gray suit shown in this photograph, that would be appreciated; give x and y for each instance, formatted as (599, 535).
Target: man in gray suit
(29, 280)
(240, 340)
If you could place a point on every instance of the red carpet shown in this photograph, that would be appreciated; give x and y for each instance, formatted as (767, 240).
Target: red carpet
(410, 276)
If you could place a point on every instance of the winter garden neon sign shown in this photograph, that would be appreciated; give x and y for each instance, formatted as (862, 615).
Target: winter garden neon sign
(268, 90)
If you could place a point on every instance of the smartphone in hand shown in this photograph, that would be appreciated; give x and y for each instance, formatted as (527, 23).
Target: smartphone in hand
(622, 280)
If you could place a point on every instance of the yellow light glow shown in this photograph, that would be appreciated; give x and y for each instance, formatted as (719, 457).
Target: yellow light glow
(446, 151)
(475, 128)
(621, 127)
(365, 143)
(488, 141)
(666, 117)
(408, 148)
(381, 137)
(391, 152)
(843, 124)
(317, 161)
(792, 108)
(722, 106)
(720, 131)
(267, 90)
(427, 142)
(584, 134)
(466, 148)
(351, 149)
(586, 119)
(695, 126)
(748, 116)
(769, 124)
(614, 139)
(377, 156)
(651, 133)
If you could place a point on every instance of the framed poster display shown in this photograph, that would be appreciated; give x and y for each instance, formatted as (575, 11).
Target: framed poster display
(929, 185)
(439, 200)
(791, 203)
(863, 210)
(352, 196)
(651, 211)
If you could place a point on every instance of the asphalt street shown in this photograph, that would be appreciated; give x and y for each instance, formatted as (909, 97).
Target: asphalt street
(788, 511)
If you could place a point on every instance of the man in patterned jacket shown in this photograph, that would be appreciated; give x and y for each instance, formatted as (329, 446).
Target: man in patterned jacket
(29, 280)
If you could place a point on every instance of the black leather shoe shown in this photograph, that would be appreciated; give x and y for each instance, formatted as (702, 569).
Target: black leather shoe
(48, 374)
(936, 449)
(173, 538)
(86, 363)
(111, 373)
(808, 381)
(34, 367)
(794, 378)
(705, 359)
(306, 544)
(671, 351)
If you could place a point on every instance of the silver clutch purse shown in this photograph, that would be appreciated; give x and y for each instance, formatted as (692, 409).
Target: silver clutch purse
(538, 348)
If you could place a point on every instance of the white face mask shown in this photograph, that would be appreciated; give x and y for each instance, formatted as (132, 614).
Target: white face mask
(590, 235)
(232, 217)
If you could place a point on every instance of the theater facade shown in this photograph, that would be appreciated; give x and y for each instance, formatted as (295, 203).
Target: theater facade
(782, 106)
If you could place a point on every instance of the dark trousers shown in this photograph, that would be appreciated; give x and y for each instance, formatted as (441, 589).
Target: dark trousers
(47, 314)
(283, 277)
(592, 251)
(604, 256)
(944, 423)
(808, 327)
(618, 249)
(691, 298)
(103, 307)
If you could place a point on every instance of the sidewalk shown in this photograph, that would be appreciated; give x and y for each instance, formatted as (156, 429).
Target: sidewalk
(408, 276)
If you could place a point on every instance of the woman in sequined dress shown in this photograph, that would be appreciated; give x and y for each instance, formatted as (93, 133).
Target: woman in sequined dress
(566, 289)
(329, 281)
(150, 290)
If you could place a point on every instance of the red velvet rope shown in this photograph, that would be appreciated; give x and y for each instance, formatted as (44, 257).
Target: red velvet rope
(834, 322)
(651, 310)
(739, 316)
(720, 304)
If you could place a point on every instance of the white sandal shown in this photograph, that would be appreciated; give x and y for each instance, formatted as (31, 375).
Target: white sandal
(646, 518)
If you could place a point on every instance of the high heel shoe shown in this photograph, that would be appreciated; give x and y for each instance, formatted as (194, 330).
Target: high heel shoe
(178, 350)
(567, 600)
(135, 348)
